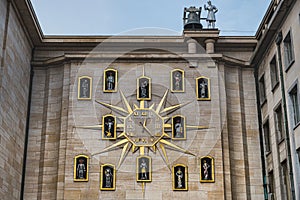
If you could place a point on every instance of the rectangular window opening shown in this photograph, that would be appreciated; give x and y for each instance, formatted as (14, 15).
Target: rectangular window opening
(262, 90)
(286, 187)
(288, 51)
(295, 104)
(266, 130)
(279, 125)
(274, 73)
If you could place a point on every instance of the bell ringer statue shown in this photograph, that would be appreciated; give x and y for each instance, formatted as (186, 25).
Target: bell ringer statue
(192, 17)
(211, 17)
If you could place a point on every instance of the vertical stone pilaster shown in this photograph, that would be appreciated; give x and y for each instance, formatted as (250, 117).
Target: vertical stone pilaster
(236, 134)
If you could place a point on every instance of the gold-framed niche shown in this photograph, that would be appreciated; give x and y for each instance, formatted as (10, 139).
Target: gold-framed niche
(109, 127)
(108, 177)
(143, 169)
(110, 80)
(207, 169)
(143, 88)
(81, 168)
(177, 80)
(203, 88)
(84, 89)
(180, 177)
(178, 128)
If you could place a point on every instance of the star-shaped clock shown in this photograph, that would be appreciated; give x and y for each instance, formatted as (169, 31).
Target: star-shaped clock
(144, 127)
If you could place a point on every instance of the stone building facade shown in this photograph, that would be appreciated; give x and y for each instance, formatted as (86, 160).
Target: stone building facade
(277, 76)
(45, 125)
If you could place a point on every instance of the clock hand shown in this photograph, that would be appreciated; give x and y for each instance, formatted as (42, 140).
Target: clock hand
(144, 126)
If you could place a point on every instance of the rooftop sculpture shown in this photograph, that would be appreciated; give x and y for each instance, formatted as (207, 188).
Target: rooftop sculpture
(192, 17)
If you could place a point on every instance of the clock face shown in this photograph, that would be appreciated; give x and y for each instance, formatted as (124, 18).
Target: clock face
(143, 127)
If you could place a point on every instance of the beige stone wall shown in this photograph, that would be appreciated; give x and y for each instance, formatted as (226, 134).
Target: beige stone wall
(232, 138)
(14, 83)
(243, 141)
(206, 142)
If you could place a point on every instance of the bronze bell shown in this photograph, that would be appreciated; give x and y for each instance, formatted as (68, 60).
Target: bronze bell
(192, 21)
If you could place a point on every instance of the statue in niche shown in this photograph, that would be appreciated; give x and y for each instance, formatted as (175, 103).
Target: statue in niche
(180, 181)
(203, 88)
(177, 80)
(108, 177)
(143, 169)
(207, 169)
(81, 168)
(109, 127)
(211, 17)
(203, 92)
(179, 175)
(144, 88)
(110, 80)
(84, 87)
(144, 92)
(178, 127)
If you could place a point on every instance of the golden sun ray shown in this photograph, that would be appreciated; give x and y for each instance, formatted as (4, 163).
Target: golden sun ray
(171, 109)
(175, 147)
(167, 125)
(96, 127)
(162, 147)
(120, 125)
(152, 106)
(159, 106)
(112, 146)
(122, 135)
(126, 102)
(116, 108)
(190, 127)
(123, 154)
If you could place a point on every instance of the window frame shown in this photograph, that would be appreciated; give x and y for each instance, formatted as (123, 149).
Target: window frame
(262, 90)
(285, 180)
(293, 93)
(298, 154)
(279, 133)
(271, 184)
(274, 73)
(288, 49)
(267, 137)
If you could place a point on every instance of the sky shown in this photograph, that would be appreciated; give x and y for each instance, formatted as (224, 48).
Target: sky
(122, 17)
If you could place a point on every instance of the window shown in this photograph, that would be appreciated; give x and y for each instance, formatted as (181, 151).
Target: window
(288, 51)
(274, 73)
(262, 90)
(267, 137)
(271, 185)
(285, 181)
(279, 126)
(295, 104)
(298, 153)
